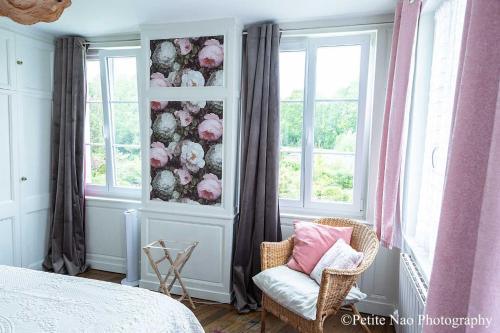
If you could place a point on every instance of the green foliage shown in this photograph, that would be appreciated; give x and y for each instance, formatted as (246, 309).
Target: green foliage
(126, 123)
(332, 180)
(98, 165)
(289, 183)
(291, 124)
(96, 122)
(128, 167)
(350, 91)
(331, 120)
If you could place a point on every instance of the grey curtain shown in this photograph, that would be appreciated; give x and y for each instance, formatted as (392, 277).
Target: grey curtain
(259, 212)
(66, 254)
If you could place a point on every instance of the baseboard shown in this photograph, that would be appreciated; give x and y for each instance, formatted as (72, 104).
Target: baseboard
(36, 265)
(376, 308)
(107, 263)
(210, 295)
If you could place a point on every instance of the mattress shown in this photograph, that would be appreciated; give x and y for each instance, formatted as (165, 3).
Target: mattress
(34, 301)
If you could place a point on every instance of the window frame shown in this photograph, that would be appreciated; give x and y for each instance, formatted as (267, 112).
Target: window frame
(110, 189)
(306, 205)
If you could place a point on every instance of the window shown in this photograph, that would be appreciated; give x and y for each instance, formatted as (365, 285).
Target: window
(323, 90)
(112, 130)
(447, 26)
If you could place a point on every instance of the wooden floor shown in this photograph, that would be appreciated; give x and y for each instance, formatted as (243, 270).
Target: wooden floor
(222, 318)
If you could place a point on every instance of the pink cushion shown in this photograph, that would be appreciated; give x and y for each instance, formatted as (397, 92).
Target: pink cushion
(311, 241)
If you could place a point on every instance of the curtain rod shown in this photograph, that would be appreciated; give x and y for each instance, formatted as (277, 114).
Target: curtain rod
(300, 30)
(303, 30)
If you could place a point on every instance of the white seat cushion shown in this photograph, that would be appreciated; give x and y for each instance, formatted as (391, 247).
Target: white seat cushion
(296, 291)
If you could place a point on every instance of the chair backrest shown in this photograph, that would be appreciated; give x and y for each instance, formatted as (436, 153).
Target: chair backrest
(363, 238)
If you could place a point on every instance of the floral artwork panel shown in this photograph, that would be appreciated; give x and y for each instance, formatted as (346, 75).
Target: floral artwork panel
(186, 151)
(187, 62)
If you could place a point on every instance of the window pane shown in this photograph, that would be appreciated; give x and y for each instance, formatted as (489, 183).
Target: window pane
(423, 223)
(125, 123)
(96, 162)
(337, 72)
(333, 177)
(122, 79)
(292, 71)
(289, 182)
(95, 123)
(291, 124)
(127, 167)
(335, 126)
(93, 81)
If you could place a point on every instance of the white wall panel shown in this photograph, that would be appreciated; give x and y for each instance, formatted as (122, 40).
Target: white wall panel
(9, 225)
(6, 150)
(207, 273)
(6, 242)
(34, 238)
(105, 233)
(207, 259)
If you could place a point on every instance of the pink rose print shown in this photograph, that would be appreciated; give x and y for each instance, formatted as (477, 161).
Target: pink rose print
(159, 155)
(211, 128)
(184, 176)
(212, 54)
(184, 116)
(159, 80)
(210, 188)
(184, 45)
(158, 106)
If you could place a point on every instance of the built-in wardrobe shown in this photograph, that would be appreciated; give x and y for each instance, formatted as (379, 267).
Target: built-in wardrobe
(26, 62)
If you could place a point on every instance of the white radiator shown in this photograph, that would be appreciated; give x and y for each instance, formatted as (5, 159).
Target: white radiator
(412, 296)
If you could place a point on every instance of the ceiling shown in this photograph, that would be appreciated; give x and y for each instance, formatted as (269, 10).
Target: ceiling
(93, 18)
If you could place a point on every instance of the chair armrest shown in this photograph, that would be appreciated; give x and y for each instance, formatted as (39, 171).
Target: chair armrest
(274, 254)
(335, 285)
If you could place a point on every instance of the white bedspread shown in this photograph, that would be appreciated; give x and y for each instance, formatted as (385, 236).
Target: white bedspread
(34, 301)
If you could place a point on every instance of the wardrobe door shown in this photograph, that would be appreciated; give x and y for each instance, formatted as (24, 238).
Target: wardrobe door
(7, 62)
(9, 231)
(34, 61)
(34, 168)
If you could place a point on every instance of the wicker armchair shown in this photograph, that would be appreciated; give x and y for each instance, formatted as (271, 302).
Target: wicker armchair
(335, 284)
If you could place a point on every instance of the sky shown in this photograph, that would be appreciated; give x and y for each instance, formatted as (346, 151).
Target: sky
(336, 68)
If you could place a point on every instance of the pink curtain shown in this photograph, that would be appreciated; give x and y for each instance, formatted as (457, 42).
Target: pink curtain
(465, 280)
(387, 222)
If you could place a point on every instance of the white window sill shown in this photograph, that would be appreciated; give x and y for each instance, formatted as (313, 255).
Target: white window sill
(112, 199)
(119, 194)
(309, 215)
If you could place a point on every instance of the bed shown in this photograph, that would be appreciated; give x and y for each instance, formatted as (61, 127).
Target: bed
(34, 301)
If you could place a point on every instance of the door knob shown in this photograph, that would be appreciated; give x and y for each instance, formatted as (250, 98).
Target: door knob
(23, 179)
(19, 62)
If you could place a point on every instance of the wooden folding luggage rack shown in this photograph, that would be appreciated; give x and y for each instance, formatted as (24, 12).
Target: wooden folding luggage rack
(184, 251)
